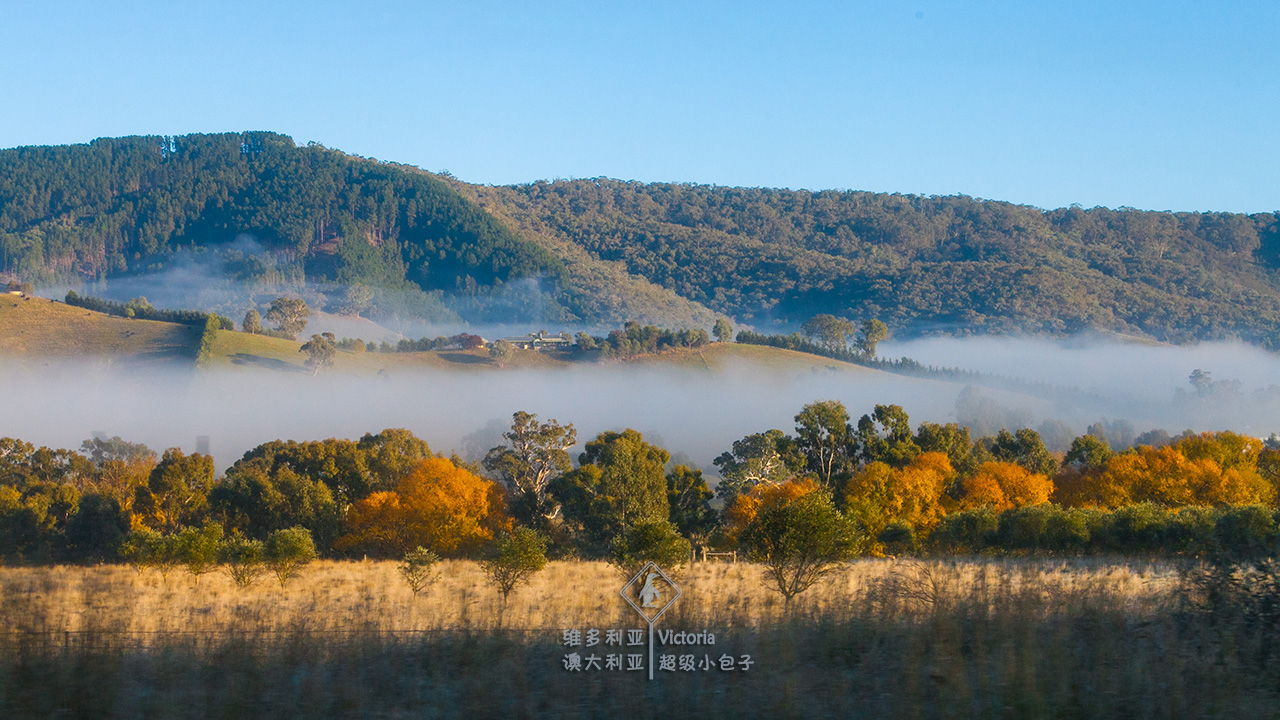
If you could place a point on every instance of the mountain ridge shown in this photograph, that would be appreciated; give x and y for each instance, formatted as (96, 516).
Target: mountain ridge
(597, 252)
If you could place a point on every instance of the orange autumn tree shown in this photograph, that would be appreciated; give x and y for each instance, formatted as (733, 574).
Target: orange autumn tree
(746, 506)
(437, 505)
(880, 494)
(1167, 476)
(1004, 485)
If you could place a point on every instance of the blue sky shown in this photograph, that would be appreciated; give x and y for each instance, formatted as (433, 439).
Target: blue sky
(1156, 105)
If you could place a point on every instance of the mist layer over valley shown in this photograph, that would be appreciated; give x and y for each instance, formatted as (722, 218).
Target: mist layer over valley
(695, 412)
(230, 223)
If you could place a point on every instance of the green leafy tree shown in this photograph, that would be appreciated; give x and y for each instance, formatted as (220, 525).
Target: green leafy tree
(689, 500)
(800, 543)
(252, 322)
(768, 457)
(104, 450)
(289, 315)
(97, 528)
(829, 331)
(501, 352)
(420, 569)
(723, 330)
(257, 499)
(620, 482)
(823, 434)
(243, 559)
(1026, 449)
(177, 490)
(145, 548)
(870, 334)
(535, 453)
(198, 548)
(356, 299)
(514, 558)
(952, 440)
(286, 552)
(657, 541)
(320, 352)
(885, 436)
(390, 455)
(1088, 452)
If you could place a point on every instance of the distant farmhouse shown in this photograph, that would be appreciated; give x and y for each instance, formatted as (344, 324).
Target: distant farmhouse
(541, 340)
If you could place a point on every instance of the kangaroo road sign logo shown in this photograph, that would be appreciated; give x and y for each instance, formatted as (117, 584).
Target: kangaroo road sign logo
(651, 593)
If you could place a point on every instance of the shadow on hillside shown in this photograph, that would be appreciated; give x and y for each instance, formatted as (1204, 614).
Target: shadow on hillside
(463, 358)
(266, 363)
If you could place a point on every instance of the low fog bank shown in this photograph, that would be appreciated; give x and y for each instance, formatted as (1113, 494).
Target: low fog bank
(1131, 370)
(1149, 385)
(234, 277)
(692, 413)
(695, 414)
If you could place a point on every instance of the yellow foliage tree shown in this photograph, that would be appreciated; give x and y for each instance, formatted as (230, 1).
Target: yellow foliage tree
(1081, 487)
(1167, 476)
(1004, 485)
(438, 506)
(1227, 449)
(746, 506)
(880, 494)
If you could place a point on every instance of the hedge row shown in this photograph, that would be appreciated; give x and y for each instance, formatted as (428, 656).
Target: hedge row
(1146, 528)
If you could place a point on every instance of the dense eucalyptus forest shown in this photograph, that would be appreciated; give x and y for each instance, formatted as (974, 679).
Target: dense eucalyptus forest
(604, 251)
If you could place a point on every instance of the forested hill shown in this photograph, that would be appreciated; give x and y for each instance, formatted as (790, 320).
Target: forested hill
(953, 264)
(133, 205)
(602, 251)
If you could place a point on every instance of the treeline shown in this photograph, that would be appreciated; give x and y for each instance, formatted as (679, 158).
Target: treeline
(142, 310)
(636, 339)
(461, 341)
(893, 489)
(798, 342)
(1150, 528)
(950, 264)
(629, 341)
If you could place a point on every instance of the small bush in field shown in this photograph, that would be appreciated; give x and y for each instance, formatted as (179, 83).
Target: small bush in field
(198, 548)
(419, 569)
(243, 559)
(515, 557)
(287, 551)
(146, 548)
(655, 540)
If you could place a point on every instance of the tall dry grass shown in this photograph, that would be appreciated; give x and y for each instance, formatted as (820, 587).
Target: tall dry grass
(887, 638)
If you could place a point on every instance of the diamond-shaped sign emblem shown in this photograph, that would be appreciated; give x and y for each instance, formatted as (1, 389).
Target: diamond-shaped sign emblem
(651, 592)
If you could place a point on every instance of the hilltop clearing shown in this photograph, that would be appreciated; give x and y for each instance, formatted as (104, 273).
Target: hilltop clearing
(34, 328)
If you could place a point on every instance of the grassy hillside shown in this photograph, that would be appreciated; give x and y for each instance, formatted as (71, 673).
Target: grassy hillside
(37, 328)
(241, 350)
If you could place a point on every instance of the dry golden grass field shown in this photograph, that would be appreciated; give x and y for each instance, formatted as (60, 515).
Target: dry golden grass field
(36, 328)
(884, 638)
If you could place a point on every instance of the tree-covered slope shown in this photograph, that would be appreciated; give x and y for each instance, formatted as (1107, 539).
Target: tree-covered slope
(605, 251)
(120, 205)
(950, 263)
